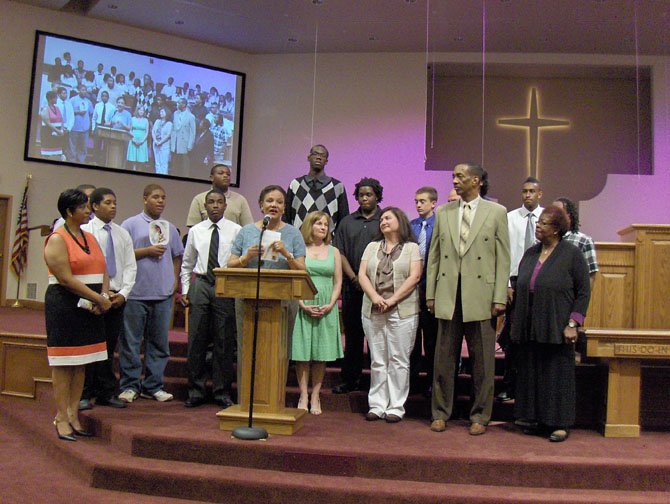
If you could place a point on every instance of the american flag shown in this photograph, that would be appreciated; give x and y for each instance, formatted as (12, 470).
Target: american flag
(20, 249)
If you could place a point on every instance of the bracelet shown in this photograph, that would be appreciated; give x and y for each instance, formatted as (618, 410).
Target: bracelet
(242, 262)
(104, 294)
(290, 257)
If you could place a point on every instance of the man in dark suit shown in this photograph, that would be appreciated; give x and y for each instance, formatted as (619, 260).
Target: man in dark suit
(468, 269)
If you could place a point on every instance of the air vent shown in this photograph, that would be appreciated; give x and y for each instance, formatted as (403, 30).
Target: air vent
(31, 291)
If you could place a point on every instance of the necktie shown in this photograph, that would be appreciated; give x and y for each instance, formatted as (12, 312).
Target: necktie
(213, 258)
(104, 111)
(422, 240)
(465, 228)
(110, 257)
(529, 241)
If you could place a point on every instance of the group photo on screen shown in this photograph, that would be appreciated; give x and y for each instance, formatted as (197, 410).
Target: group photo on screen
(112, 108)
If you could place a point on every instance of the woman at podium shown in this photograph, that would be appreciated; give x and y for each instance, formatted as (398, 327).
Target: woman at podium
(282, 248)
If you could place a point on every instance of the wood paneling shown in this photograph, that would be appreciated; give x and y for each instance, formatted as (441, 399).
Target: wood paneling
(23, 363)
(611, 300)
(652, 274)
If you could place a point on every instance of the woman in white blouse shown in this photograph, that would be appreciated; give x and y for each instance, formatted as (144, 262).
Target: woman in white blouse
(389, 273)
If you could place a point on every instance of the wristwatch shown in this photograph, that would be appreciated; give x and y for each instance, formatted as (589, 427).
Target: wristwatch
(572, 324)
(290, 257)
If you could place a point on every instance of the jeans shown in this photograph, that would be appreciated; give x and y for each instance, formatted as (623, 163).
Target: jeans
(149, 320)
(77, 146)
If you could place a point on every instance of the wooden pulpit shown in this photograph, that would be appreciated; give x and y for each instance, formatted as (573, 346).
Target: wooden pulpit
(276, 287)
(116, 145)
(628, 322)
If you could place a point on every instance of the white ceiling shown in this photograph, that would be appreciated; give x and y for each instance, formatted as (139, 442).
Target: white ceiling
(290, 26)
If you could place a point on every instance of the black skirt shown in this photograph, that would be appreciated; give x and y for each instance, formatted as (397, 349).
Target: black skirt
(75, 336)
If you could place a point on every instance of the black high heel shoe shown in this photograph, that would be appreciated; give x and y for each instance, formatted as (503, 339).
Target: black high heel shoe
(64, 437)
(81, 433)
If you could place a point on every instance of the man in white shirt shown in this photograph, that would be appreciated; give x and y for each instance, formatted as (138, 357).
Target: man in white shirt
(99, 77)
(102, 114)
(521, 223)
(170, 90)
(117, 246)
(211, 318)
(66, 110)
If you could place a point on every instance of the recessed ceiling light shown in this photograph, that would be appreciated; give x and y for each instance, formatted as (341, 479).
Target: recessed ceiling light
(410, 1)
(458, 38)
(317, 2)
(112, 6)
(179, 22)
(292, 39)
(372, 38)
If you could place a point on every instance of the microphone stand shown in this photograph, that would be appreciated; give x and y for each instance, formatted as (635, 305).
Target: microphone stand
(250, 432)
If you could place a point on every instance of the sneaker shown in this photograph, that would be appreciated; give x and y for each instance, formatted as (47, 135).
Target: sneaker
(160, 396)
(128, 395)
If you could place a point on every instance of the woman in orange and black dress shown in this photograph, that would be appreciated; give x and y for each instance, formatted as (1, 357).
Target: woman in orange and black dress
(75, 333)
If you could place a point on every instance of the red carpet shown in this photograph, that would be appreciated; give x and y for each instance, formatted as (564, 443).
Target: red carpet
(167, 450)
(168, 453)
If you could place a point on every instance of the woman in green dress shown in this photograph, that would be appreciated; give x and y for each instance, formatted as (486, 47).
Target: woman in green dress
(316, 336)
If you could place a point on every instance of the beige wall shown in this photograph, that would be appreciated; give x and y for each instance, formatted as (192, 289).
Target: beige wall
(18, 24)
(369, 110)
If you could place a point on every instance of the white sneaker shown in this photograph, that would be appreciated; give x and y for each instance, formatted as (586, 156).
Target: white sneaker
(128, 395)
(160, 396)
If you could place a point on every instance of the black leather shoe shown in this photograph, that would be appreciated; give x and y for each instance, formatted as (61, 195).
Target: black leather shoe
(342, 388)
(225, 401)
(393, 418)
(194, 402)
(81, 433)
(85, 404)
(504, 396)
(372, 417)
(112, 402)
(64, 437)
(560, 435)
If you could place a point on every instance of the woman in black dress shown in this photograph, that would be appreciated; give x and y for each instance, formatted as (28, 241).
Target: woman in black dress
(552, 297)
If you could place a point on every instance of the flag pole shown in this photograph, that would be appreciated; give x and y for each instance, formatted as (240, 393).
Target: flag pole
(17, 303)
(23, 210)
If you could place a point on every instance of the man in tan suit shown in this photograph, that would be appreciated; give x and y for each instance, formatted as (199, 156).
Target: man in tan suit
(468, 269)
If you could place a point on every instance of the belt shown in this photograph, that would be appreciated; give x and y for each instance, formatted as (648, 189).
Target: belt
(205, 278)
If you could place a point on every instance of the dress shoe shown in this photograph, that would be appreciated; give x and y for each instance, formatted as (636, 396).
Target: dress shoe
(343, 388)
(560, 435)
(224, 401)
(371, 417)
(194, 402)
(64, 437)
(527, 424)
(504, 396)
(438, 426)
(393, 418)
(85, 404)
(477, 429)
(112, 402)
(81, 433)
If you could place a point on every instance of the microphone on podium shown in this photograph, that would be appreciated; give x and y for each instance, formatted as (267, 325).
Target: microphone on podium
(266, 221)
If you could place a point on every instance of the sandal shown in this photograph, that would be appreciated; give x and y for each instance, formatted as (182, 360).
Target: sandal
(315, 408)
